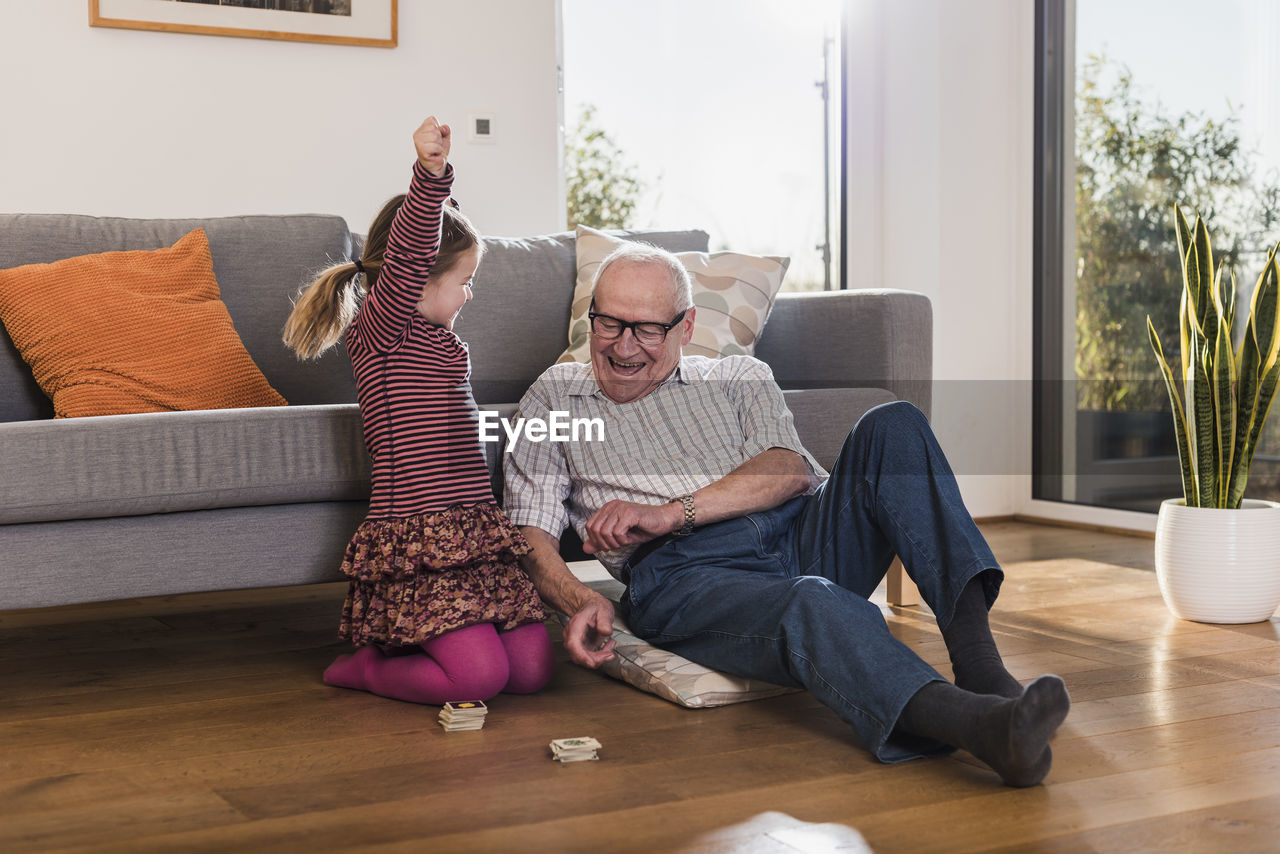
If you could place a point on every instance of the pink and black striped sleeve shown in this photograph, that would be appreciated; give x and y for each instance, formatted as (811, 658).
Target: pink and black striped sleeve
(412, 247)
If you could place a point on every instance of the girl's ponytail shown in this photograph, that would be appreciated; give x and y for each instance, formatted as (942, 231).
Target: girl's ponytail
(324, 310)
(327, 306)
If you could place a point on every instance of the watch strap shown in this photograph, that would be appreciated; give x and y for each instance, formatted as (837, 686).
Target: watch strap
(690, 516)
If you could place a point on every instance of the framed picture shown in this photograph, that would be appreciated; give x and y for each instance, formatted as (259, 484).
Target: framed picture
(359, 22)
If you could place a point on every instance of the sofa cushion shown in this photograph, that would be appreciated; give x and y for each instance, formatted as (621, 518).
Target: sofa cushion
(732, 292)
(880, 338)
(824, 416)
(260, 263)
(510, 348)
(126, 465)
(140, 331)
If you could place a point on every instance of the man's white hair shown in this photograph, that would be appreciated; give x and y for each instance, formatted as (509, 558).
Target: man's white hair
(644, 253)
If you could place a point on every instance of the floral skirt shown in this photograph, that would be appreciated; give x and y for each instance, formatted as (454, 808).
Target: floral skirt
(419, 577)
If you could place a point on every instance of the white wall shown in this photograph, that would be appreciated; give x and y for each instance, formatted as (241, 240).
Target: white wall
(131, 123)
(146, 124)
(941, 113)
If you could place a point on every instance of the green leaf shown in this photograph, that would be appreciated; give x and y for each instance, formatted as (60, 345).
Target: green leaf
(1196, 298)
(1249, 386)
(1189, 487)
(1266, 397)
(1200, 282)
(1192, 387)
(1259, 372)
(1228, 298)
(1183, 228)
(1264, 311)
(1188, 335)
(1200, 399)
(1222, 370)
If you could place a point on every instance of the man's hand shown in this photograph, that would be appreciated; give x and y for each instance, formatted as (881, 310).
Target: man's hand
(626, 523)
(431, 141)
(589, 636)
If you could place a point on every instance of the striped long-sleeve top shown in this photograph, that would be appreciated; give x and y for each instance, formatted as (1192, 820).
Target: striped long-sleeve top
(413, 377)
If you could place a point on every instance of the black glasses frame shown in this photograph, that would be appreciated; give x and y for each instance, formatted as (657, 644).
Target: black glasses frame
(634, 325)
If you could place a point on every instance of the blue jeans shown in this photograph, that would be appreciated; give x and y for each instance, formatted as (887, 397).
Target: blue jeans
(782, 595)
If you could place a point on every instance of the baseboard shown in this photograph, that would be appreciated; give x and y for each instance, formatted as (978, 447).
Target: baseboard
(1079, 526)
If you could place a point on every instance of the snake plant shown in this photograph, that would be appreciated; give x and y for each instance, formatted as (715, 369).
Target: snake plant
(1223, 394)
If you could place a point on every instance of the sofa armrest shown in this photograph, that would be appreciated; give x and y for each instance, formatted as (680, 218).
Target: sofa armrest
(878, 338)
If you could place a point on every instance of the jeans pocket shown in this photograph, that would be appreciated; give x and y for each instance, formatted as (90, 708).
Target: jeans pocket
(635, 585)
(773, 528)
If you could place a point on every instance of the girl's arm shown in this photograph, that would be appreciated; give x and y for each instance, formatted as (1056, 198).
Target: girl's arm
(413, 242)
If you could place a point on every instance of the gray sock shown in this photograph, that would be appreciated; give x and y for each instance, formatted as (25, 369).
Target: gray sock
(1010, 735)
(975, 661)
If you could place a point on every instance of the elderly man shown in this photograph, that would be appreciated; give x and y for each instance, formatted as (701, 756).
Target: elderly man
(740, 553)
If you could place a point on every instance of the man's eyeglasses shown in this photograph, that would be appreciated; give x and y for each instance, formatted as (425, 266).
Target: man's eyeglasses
(647, 332)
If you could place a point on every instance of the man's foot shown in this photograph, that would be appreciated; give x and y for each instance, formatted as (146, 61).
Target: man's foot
(1015, 739)
(1010, 735)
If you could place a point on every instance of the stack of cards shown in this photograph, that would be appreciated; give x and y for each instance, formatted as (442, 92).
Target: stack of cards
(468, 714)
(574, 749)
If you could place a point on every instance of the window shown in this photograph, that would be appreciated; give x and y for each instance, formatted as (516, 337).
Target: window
(716, 114)
(1141, 104)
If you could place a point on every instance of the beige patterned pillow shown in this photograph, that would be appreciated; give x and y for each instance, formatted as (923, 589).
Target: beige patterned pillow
(732, 292)
(677, 679)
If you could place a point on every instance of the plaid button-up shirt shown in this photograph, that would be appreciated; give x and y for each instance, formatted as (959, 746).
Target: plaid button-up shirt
(706, 419)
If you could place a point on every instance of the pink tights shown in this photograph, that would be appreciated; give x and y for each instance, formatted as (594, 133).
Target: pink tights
(471, 663)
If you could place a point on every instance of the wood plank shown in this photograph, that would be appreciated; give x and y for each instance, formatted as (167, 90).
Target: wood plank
(1024, 817)
(200, 723)
(1225, 737)
(1173, 705)
(1240, 828)
(76, 825)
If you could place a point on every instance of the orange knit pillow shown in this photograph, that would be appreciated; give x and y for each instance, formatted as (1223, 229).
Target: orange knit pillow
(124, 332)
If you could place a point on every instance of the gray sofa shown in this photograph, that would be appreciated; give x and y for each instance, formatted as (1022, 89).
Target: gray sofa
(164, 503)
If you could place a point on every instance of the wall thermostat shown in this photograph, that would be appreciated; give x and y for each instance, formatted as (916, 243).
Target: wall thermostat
(480, 127)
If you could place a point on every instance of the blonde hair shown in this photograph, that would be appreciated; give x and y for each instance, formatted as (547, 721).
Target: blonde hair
(325, 308)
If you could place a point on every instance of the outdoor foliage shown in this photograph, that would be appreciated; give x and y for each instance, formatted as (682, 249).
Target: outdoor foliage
(601, 186)
(1133, 162)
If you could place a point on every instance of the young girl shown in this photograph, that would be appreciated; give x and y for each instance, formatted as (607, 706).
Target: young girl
(438, 604)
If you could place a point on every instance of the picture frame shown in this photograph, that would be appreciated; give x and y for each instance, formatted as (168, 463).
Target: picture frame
(367, 23)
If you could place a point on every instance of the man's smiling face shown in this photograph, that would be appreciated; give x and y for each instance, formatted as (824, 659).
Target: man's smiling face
(636, 291)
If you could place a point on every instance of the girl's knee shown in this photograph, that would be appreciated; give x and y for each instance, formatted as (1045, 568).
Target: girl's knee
(529, 681)
(530, 656)
(473, 660)
(483, 677)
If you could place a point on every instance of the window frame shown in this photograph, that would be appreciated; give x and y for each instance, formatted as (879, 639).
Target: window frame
(1048, 408)
(1055, 475)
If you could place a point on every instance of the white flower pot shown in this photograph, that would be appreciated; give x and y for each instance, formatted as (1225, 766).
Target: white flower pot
(1219, 566)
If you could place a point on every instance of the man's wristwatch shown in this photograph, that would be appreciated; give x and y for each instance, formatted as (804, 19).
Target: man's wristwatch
(690, 516)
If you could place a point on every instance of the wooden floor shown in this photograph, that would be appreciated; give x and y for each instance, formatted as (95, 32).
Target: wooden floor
(199, 723)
